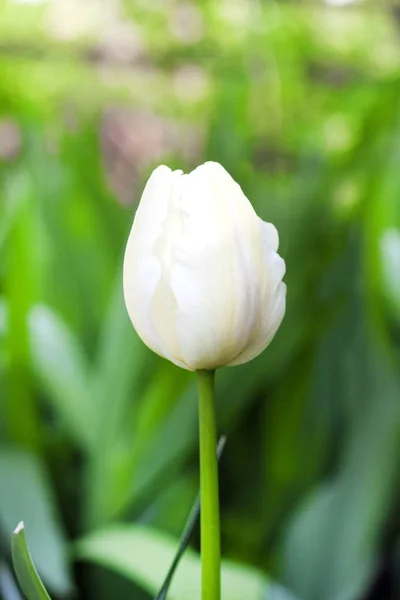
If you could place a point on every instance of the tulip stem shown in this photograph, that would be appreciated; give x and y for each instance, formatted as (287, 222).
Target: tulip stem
(209, 500)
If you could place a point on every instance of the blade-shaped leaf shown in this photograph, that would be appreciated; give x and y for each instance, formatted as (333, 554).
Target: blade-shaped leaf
(28, 577)
(60, 364)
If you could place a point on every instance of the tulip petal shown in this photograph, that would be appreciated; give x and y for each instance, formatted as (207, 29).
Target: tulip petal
(270, 324)
(270, 235)
(272, 296)
(142, 266)
(215, 279)
(202, 277)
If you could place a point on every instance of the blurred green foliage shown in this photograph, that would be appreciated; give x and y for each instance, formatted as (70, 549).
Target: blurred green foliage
(299, 100)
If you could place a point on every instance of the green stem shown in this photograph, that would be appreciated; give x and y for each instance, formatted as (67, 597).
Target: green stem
(209, 501)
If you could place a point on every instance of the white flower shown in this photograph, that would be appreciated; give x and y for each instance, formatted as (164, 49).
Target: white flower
(202, 277)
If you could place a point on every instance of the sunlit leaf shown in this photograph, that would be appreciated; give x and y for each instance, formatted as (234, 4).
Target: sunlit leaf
(145, 555)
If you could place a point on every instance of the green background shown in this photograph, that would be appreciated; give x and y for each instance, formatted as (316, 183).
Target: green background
(300, 101)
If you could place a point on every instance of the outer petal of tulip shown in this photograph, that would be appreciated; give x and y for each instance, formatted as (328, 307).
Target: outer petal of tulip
(202, 270)
(143, 270)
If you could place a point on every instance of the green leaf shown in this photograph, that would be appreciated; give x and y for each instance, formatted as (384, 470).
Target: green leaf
(117, 374)
(21, 420)
(60, 364)
(144, 556)
(26, 494)
(118, 371)
(331, 549)
(390, 258)
(28, 577)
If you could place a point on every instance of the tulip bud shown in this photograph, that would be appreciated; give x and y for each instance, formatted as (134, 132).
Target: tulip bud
(202, 277)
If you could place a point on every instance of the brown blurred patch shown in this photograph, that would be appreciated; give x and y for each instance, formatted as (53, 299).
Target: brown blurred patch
(132, 141)
(10, 139)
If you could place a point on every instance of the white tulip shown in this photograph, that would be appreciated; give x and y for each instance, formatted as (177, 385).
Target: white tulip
(202, 277)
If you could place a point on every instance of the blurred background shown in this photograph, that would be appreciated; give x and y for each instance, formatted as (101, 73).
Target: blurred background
(300, 101)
